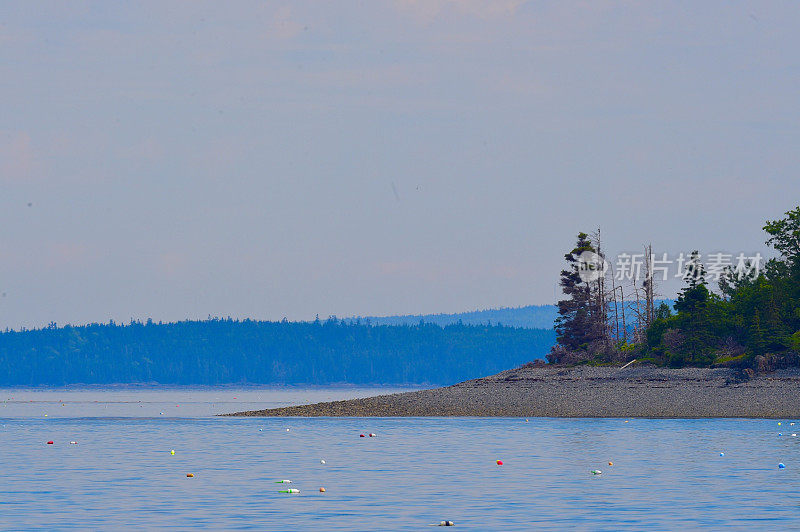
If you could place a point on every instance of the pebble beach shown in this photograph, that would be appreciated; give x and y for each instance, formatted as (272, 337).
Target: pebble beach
(552, 391)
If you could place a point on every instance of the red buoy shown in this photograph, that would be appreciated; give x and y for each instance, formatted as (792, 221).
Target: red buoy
(361, 436)
(50, 442)
(499, 462)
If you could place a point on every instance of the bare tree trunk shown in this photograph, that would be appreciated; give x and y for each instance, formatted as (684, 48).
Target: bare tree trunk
(624, 323)
(616, 309)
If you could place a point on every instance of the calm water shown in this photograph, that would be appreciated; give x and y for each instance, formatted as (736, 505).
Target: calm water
(667, 474)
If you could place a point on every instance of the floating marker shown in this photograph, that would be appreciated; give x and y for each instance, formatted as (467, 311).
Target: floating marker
(611, 463)
(190, 475)
(372, 435)
(780, 434)
(260, 430)
(50, 442)
(161, 413)
(722, 454)
(526, 421)
(779, 423)
(322, 462)
(360, 435)
(444, 523)
(596, 472)
(172, 452)
(290, 490)
(781, 466)
(795, 435)
(283, 482)
(73, 443)
(499, 462)
(322, 490)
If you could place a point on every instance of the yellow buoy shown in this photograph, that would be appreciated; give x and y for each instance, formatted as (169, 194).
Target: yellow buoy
(322, 490)
(172, 452)
(190, 475)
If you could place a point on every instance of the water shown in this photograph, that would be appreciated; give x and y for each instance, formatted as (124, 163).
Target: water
(667, 474)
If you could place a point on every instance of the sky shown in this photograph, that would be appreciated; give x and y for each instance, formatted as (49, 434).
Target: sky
(176, 159)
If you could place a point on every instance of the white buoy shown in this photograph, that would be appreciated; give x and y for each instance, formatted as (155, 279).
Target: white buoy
(322, 462)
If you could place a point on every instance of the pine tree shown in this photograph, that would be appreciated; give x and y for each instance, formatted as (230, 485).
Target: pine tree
(580, 325)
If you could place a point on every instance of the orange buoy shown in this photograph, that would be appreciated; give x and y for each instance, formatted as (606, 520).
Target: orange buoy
(611, 463)
(322, 490)
(190, 475)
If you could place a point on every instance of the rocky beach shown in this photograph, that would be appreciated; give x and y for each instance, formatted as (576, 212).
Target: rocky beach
(584, 391)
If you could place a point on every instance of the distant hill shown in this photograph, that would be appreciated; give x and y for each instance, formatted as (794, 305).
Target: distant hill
(225, 351)
(528, 317)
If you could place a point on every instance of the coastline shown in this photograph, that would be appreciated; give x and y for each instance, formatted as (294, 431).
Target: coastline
(582, 391)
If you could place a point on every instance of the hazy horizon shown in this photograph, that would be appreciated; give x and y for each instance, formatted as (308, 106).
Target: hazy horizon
(169, 160)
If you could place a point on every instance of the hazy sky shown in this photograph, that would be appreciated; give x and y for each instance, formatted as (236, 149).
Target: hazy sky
(271, 159)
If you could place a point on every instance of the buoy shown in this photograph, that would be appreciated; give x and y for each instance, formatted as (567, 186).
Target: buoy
(781, 466)
(161, 413)
(793, 434)
(792, 423)
(291, 490)
(190, 475)
(73, 443)
(50, 442)
(722, 454)
(172, 452)
(260, 430)
(526, 421)
(283, 482)
(360, 435)
(611, 463)
(444, 523)
(780, 434)
(372, 434)
(779, 423)
(596, 472)
(322, 461)
(499, 462)
(287, 430)
(322, 490)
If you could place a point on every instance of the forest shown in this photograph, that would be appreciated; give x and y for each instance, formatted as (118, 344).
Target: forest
(226, 351)
(749, 320)
(529, 317)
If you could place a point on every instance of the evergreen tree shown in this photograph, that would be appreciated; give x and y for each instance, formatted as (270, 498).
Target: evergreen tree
(580, 326)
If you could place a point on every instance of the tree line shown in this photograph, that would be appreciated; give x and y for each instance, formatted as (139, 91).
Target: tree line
(747, 321)
(226, 351)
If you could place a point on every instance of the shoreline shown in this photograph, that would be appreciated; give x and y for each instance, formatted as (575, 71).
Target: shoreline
(582, 391)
